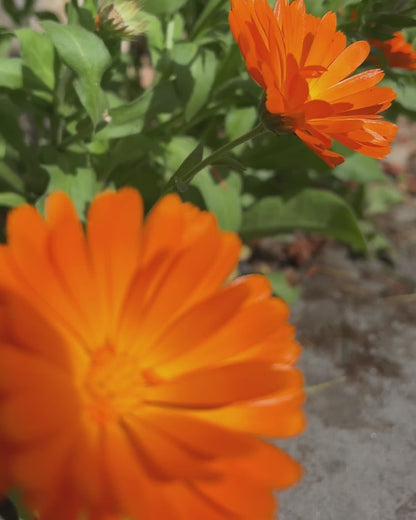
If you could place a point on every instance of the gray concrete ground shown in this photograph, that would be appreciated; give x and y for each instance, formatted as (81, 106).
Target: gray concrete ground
(357, 323)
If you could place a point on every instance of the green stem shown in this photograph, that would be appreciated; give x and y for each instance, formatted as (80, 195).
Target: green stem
(211, 159)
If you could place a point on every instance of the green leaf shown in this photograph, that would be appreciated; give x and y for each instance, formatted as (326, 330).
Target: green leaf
(281, 287)
(38, 55)
(405, 88)
(10, 178)
(310, 210)
(80, 15)
(194, 76)
(6, 39)
(129, 119)
(131, 150)
(159, 7)
(9, 125)
(230, 163)
(239, 121)
(11, 200)
(210, 7)
(15, 496)
(184, 52)
(85, 54)
(148, 180)
(81, 187)
(359, 168)
(281, 153)
(155, 37)
(126, 119)
(195, 157)
(315, 7)
(223, 198)
(182, 168)
(203, 72)
(11, 74)
(381, 198)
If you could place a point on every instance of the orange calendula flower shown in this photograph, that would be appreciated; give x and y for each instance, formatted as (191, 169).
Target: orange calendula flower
(397, 51)
(303, 64)
(135, 382)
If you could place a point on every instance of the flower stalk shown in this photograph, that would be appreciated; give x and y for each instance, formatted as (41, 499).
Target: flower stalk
(211, 159)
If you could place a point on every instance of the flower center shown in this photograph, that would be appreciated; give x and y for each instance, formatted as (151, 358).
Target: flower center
(114, 384)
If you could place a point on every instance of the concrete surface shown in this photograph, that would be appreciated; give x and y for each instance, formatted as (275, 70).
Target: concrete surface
(357, 320)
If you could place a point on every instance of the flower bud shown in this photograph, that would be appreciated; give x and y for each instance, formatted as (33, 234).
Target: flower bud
(120, 19)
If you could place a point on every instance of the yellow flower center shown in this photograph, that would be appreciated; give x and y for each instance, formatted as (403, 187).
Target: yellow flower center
(114, 384)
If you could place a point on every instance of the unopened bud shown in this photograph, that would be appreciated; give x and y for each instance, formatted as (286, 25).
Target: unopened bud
(120, 19)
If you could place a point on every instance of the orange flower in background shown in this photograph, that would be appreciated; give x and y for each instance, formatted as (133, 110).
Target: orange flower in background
(303, 64)
(134, 381)
(397, 51)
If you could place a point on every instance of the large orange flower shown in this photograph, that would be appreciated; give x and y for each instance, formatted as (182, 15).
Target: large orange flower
(134, 380)
(304, 66)
(397, 51)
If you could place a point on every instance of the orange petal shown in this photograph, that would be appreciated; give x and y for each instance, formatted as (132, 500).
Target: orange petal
(28, 244)
(357, 83)
(114, 231)
(343, 65)
(138, 495)
(43, 409)
(87, 469)
(192, 504)
(201, 437)
(327, 43)
(42, 465)
(196, 327)
(240, 495)
(267, 465)
(180, 271)
(69, 255)
(25, 327)
(220, 386)
(249, 327)
(163, 454)
(277, 415)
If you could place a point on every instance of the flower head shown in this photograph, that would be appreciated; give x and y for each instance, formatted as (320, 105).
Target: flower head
(120, 19)
(134, 380)
(304, 66)
(397, 51)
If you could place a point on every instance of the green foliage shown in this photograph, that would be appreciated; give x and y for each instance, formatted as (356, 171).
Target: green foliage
(85, 55)
(11, 74)
(381, 197)
(404, 84)
(38, 56)
(359, 169)
(222, 197)
(282, 288)
(370, 19)
(162, 7)
(78, 114)
(310, 209)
